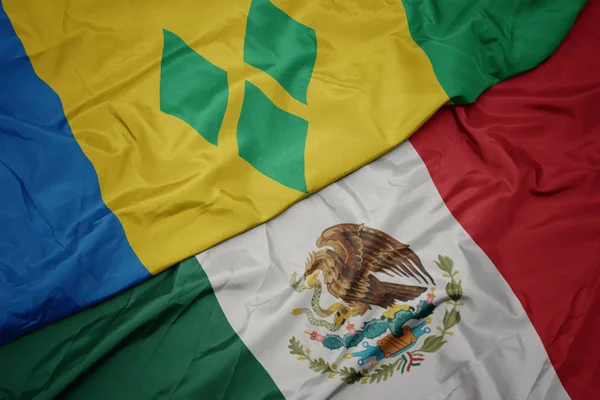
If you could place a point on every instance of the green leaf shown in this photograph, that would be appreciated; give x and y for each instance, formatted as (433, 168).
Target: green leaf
(454, 290)
(350, 375)
(295, 347)
(321, 366)
(432, 344)
(451, 318)
(449, 262)
(445, 264)
(383, 372)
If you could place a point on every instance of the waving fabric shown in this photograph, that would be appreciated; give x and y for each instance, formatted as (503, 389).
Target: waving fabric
(133, 136)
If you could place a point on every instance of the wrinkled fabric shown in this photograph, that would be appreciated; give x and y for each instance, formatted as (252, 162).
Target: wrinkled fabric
(491, 352)
(452, 32)
(134, 136)
(165, 338)
(61, 247)
(520, 170)
(192, 347)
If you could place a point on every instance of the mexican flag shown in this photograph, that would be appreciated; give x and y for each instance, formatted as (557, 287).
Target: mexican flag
(459, 265)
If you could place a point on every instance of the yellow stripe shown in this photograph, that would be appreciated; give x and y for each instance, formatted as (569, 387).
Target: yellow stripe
(174, 193)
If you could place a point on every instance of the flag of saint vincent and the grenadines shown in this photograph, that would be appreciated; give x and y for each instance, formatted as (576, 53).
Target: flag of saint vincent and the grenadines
(136, 134)
(497, 202)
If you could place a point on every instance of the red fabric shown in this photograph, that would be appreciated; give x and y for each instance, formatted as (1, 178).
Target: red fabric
(520, 170)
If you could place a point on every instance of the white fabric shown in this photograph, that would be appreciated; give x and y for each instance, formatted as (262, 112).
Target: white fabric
(495, 352)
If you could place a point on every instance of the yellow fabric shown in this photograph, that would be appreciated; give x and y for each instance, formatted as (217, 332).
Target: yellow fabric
(174, 193)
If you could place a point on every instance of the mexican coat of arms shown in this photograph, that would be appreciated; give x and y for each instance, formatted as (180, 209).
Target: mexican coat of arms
(355, 263)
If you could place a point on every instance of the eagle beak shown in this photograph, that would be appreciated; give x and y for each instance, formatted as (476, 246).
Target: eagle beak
(309, 278)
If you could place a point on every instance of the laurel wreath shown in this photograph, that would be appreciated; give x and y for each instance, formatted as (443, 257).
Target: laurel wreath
(408, 360)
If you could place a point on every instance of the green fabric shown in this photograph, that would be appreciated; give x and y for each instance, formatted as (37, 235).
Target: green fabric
(272, 140)
(475, 44)
(281, 46)
(192, 88)
(166, 338)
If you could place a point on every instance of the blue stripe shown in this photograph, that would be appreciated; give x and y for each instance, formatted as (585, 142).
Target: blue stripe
(61, 248)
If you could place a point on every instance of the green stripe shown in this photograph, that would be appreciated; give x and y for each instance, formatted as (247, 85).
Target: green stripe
(474, 44)
(166, 338)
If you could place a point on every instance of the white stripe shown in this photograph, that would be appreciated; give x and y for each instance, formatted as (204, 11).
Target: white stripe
(494, 354)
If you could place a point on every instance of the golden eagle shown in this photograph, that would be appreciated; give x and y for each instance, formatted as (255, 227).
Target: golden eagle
(351, 254)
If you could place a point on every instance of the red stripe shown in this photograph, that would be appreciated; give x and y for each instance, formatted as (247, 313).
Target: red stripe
(520, 170)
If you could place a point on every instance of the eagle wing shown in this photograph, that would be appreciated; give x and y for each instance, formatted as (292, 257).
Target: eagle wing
(365, 251)
(383, 294)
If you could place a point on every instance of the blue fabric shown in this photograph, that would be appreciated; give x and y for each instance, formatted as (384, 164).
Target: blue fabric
(61, 248)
